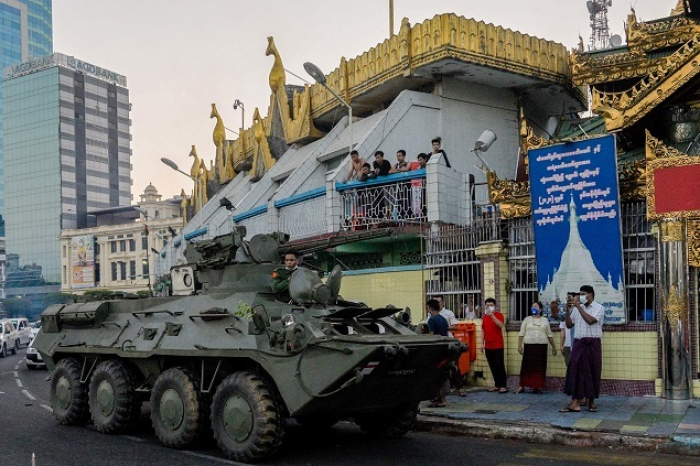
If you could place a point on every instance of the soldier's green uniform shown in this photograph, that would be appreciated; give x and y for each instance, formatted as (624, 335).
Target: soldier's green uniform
(280, 280)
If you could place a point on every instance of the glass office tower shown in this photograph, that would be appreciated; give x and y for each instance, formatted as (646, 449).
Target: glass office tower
(25, 32)
(67, 151)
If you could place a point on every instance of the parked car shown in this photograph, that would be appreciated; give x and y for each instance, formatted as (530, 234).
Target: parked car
(24, 330)
(36, 326)
(33, 358)
(9, 341)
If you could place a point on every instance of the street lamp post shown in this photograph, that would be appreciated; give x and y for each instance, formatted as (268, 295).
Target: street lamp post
(146, 233)
(237, 103)
(316, 73)
(200, 199)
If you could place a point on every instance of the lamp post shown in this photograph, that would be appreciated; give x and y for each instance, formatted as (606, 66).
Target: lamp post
(174, 166)
(316, 73)
(146, 233)
(237, 103)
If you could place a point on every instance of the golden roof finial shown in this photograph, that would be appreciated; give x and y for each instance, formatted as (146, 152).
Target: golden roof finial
(277, 78)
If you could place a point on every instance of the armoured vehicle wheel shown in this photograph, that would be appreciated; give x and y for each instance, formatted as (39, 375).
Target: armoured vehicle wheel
(391, 423)
(178, 409)
(246, 418)
(3, 351)
(114, 405)
(69, 396)
(15, 347)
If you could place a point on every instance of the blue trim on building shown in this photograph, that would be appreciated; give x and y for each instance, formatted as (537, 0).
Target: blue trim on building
(398, 268)
(254, 212)
(301, 197)
(194, 234)
(380, 180)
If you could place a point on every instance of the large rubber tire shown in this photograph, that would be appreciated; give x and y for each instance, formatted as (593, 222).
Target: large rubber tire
(3, 351)
(391, 423)
(179, 411)
(15, 347)
(69, 396)
(246, 418)
(114, 405)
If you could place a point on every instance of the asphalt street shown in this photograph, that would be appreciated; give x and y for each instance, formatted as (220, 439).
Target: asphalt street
(27, 427)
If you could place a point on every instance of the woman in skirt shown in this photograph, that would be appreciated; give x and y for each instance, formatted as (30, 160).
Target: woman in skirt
(532, 344)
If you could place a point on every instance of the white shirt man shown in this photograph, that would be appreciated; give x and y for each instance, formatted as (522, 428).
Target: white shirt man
(448, 315)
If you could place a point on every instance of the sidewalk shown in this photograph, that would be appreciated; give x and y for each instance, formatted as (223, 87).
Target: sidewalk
(648, 423)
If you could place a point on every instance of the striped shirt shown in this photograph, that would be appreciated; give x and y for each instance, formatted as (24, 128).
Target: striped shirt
(583, 329)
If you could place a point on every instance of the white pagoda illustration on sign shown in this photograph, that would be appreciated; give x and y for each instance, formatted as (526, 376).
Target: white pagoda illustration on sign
(577, 268)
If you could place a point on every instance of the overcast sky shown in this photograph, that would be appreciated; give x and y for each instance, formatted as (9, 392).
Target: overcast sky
(180, 56)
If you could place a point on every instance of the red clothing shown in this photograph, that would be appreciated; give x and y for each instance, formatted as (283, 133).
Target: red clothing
(493, 336)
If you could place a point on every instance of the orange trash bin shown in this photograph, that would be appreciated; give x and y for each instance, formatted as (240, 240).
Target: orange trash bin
(466, 333)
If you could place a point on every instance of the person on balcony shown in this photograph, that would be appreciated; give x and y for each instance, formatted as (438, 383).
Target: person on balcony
(417, 207)
(367, 173)
(437, 143)
(381, 167)
(356, 166)
(401, 165)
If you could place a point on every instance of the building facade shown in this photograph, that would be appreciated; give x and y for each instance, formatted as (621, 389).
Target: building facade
(25, 32)
(67, 151)
(118, 253)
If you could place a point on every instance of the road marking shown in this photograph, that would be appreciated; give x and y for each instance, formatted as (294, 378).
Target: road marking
(213, 458)
(19, 383)
(47, 408)
(28, 395)
(16, 367)
(15, 374)
(135, 439)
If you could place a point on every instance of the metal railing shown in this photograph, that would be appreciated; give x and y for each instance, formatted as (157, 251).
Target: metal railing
(364, 206)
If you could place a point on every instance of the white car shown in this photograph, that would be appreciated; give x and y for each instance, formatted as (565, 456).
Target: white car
(24, 330)
(36, 326)
(8, 338)
(33, 358)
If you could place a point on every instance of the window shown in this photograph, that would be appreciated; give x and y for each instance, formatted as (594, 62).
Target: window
(97, 272)
(144, 267)
(639, 249)
(113, 246)
(64, 251)
(132, 245)
(122, 245)
(114, 271)
(122, 270)
(65, 274)
(144, 243)
(132, 270)
(522, 267)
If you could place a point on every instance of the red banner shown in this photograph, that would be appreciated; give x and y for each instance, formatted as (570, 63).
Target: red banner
(677, 189)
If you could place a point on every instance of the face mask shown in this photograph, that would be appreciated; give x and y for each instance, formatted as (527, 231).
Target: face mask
(534, 311)
(491, 308)
(583, 298)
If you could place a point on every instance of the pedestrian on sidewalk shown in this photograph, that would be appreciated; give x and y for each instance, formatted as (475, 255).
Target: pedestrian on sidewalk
(438, 326)
(532, 344)
(492, 344)
(455, 375)
(586, 363)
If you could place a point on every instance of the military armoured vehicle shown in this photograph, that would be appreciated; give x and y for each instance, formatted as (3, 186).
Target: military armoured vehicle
(224, 356)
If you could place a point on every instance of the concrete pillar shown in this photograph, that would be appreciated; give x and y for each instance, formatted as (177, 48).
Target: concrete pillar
(673, 297)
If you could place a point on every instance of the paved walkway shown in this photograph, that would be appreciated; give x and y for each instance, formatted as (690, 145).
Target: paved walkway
(649, 422)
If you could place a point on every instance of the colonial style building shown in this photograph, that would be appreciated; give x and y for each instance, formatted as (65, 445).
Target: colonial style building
(118, 253)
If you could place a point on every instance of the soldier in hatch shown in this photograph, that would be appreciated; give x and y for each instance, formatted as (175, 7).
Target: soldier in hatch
(280, 277)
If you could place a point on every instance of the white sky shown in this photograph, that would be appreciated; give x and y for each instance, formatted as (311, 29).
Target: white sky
(180, 56)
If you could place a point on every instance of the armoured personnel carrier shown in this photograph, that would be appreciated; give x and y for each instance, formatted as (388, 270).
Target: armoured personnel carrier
(224, 356)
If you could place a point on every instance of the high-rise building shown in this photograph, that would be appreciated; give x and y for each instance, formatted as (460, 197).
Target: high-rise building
(25, 33)
(67, 151)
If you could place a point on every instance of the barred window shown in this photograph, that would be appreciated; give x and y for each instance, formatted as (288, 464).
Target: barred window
(522, 268)
(639, 248)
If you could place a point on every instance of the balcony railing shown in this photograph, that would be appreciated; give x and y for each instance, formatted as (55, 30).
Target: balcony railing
(397, 199)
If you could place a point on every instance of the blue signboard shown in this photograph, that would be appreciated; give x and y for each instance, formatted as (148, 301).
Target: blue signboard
(576, 219)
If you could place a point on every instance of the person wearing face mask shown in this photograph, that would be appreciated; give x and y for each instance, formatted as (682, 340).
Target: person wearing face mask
(586, 363)
(532, 344)
(492, 345)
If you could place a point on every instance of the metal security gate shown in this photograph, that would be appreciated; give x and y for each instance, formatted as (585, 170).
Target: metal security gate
(455, 271)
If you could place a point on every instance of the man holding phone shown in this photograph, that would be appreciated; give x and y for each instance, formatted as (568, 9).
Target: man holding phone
(586, 363)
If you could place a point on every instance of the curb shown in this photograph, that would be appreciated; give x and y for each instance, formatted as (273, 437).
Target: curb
(545, 434)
